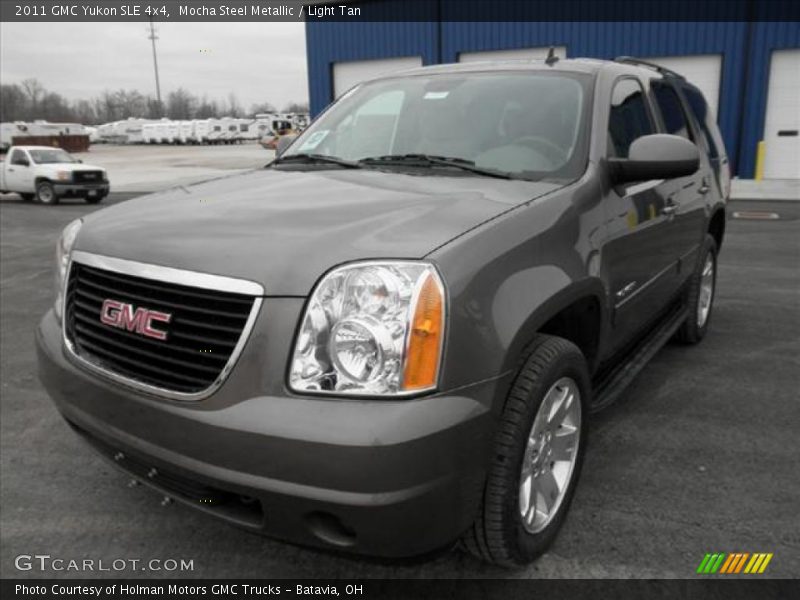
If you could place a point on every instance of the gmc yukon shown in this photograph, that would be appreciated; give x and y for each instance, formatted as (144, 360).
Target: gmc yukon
(392, 337)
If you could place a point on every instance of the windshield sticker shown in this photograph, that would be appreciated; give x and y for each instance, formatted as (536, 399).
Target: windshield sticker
(314, 140)
(436, 95)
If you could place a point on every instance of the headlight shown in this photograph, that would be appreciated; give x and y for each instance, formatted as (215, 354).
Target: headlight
(63, 175)
(63, 249)
(372, 328)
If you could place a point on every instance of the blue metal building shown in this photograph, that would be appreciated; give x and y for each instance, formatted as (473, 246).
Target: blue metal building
(753, 68)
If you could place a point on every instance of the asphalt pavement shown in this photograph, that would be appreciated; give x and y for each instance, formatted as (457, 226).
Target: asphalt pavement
(700, 455)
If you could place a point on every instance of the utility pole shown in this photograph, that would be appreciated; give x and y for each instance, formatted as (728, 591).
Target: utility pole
(153, 37)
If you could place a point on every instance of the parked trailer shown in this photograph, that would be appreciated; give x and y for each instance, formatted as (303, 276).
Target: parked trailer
(151, 133)
(185, 132)
(131, 129)
(248, 130)
(217, 130)
(46, 128)
(9, 130)
(201, 129)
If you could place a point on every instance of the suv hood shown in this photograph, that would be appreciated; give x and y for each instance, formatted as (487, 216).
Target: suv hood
(285, 229)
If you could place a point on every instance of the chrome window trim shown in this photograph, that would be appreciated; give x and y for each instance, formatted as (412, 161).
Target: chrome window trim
(168, 275)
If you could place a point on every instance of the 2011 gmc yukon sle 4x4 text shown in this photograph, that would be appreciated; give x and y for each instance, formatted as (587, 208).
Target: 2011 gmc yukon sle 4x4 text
(392, 336)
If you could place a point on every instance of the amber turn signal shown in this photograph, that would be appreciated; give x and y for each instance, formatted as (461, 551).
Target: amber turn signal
(425, 337)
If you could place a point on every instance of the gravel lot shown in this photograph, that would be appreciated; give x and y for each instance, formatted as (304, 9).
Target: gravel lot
(699, 456)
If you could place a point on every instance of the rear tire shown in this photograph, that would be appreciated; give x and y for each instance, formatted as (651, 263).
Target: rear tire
(28, 197)
(700, 295)
(93, 199)
(46, 193)
(510, 529)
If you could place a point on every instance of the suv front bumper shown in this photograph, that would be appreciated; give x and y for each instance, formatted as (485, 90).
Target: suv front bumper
(379, 477)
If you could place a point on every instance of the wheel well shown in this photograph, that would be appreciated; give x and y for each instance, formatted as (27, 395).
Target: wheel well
(580, 324)
(716, 227)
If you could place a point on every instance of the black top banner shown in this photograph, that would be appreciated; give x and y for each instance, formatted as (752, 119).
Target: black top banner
(400, 10)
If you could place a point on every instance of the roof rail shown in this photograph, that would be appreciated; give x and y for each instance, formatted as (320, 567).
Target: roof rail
(632, 60)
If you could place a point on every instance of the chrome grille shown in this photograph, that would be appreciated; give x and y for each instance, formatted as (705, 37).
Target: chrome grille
(87, 176)
(204, 334)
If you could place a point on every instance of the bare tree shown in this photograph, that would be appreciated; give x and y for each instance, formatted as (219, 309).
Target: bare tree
(264, 107)
(13, 103)
(130, 103)
(207, 109)
(296, 107)
(34, 90)
(234, 108)
(180, 104)
(83, 112)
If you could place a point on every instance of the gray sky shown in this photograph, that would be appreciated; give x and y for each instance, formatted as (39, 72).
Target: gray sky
(259, 62)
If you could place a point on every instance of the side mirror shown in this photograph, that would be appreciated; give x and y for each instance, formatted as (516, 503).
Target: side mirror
(657, 156)
(284, 142)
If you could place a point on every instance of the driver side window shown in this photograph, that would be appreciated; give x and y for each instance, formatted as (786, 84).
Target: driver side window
(18, 158)
(629, 117)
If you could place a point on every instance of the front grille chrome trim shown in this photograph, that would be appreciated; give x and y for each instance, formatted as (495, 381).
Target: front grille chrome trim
(169, 275)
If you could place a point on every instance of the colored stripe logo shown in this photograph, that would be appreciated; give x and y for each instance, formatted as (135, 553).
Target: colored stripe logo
(734, 563)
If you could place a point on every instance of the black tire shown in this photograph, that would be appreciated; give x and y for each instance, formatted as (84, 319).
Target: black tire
(93, 199)
(28, 197)
(498, 535)
(693, 330)
(46, 193)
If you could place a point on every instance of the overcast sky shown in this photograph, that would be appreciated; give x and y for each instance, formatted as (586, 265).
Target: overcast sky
(259, 62)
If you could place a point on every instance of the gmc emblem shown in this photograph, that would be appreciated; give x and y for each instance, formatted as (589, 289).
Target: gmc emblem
(122, 316)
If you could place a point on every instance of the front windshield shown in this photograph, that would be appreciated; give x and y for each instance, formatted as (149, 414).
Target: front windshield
(523, 123)
(56, 155)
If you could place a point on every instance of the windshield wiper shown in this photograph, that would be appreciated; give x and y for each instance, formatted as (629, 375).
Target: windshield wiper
(318, 158)
(429, 160)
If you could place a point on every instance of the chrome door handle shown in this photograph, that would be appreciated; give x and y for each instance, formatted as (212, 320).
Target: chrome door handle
(704, 187)
(669, 208)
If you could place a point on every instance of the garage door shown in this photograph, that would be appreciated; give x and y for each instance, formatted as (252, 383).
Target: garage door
(701, 70)
(782, 124)
(348, 74)
(515, 54)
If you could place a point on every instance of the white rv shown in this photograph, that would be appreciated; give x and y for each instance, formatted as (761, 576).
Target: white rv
(201, 128)
(9, 130)
(217, 129)
(248, 130)
(185, 132)
(171, 132)
(151, 133)
(131, 130)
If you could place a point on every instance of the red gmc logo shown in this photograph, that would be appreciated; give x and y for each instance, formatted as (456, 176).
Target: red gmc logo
(123, 316)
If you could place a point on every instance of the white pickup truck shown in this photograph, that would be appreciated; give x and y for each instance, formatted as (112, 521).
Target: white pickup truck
(49, 174)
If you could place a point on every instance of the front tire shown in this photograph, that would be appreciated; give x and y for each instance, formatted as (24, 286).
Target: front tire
(700, 295)
(537, 456)
(46, 193)
(93, 199)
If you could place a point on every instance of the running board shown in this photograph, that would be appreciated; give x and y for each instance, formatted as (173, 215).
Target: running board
(610, 388)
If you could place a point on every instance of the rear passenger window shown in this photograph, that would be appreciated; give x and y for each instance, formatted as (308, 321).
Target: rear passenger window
(630, 117)
(698, 106)
(671, 110)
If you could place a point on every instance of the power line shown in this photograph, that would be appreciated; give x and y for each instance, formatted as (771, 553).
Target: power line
(153, 37)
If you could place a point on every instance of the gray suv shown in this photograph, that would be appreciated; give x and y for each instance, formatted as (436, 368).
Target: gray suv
(391, 337)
